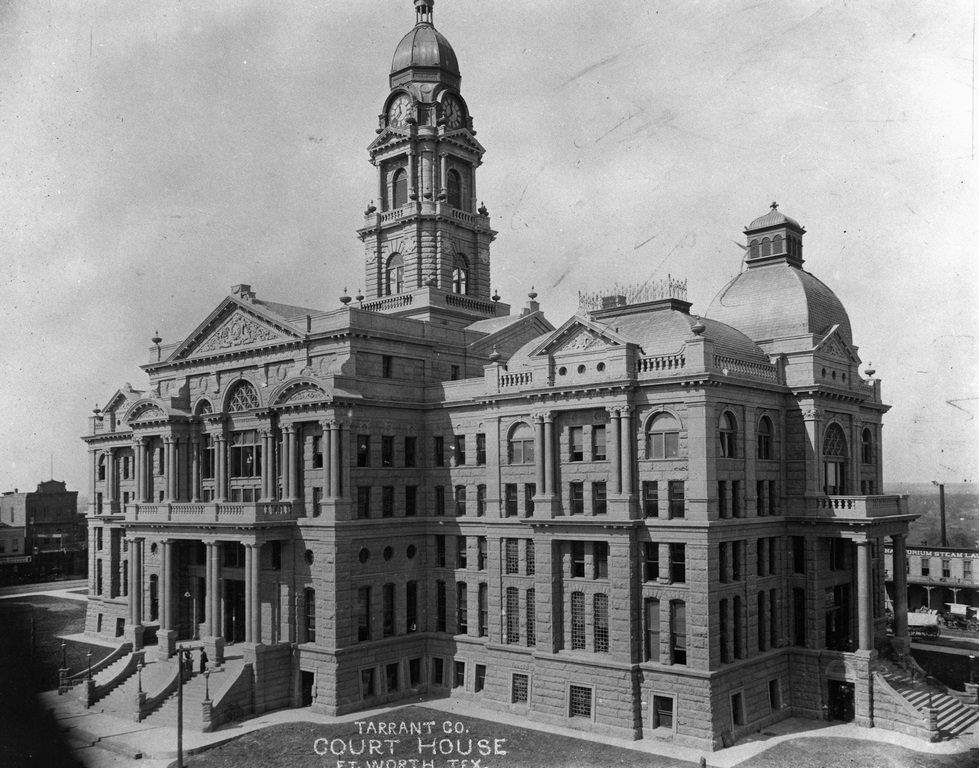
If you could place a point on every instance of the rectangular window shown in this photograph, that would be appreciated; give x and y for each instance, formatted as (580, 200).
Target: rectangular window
(650, 498)
(387, 450)
(737, 560)
(387, 365)
(529, 491)
(663, 712)
(579, 702)
(391, 677)
(519, 688)
(480, 682)
(440, 603)
(531, 617)
(798, 554)
(774, 695)
(363, 450)
(762, 623)
(966, 568)
(578, 559)
(677, 499)
(722, 510)
(772, 498)
(411, 606)
(577, 621)
(481, 553)
(600, 622)
(760, 498)
(678, 631)
(98, 538)
(440, 500)
(723, 561)
(598, 442)
(246, 454)
(678, 563)
(460, 500)
(599, 506)
(367, 687)
(439, 551)
(387, 610)
(363, 614)
(737, 709)
(207, 459)
(411, 443)
(576, 497)
(461, 558)
(576, 444)
(736, 506)
(925, 565)
(438, 671)
(650, 561)
(651, 621)
(772, 556)
(414, 672)
(510, 500)
(736, 640)
(760, 557)
(309, 601)
(482, 600)
(454, 372)
(799, 615)
(531, 558)
(411, 500)
(387, 501)
(512, 615)
(723, 630)
(462, 608)
(459, 448)
(772, 619)
(438, 451)
(511, 556)
(480, 500)
(459, 678)
(836, 551)
(946, 568)
(480, 449)
(363, 501)
(600, 560)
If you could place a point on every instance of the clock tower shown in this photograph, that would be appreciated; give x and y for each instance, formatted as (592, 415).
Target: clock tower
(427, 239)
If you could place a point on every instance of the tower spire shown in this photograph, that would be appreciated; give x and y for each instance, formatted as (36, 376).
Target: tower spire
(423, 11)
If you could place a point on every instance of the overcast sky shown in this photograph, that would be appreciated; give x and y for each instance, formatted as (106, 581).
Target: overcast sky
(154, 153)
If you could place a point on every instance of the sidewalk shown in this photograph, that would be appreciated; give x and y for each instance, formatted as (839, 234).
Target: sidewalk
(105, 741)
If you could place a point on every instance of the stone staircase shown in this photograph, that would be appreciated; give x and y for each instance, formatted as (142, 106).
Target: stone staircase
(121, 701)
(166, 713)
(954, 717)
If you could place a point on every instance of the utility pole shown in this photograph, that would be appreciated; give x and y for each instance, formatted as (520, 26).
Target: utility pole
(180, 709)
(941, 510)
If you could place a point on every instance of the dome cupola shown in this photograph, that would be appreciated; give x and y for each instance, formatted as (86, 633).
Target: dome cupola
(424, 55)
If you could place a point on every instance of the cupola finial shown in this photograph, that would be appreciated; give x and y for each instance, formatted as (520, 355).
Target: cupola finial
(774, 206)
(423, 11)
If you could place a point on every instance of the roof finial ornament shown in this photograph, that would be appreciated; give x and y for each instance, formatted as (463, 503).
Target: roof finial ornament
(774, 206)
(423, 11)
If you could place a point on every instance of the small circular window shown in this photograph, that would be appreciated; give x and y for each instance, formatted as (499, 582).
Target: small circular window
(600, 367)
(309, 556)
(388, 553)
(411, 551)
(581, 369)
(364, 555)
(562, 371)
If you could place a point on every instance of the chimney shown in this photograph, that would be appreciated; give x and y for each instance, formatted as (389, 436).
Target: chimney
(243, 291)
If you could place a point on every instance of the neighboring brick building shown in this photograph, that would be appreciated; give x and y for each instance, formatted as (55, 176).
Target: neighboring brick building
(644, 522)
(937, 577)
(45, 533)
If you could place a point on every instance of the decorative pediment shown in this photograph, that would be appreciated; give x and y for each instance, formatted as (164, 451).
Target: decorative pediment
(833, 345)
(579, 335)
(231, 326)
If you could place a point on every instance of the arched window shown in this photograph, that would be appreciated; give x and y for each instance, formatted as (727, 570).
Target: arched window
(395, 276)
(102, 467)
(399, 188)
(753, 249)
(727, 432)
(765, 433)
(203, 408)
(663, 437)
(777, 244)
(834, 461)
(460, 276)
(867, 447)
(766, 247)
(243, 398)
(453, 188)
(520, 447)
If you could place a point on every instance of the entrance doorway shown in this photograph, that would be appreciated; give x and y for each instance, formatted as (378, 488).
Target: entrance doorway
(306, 683)
(234, 611)
(840, 700)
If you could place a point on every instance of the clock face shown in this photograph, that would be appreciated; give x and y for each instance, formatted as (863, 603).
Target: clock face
(399, 111)
(452, 112)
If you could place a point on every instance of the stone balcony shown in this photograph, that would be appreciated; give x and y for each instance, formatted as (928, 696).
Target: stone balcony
(215, 513)
(856, 507)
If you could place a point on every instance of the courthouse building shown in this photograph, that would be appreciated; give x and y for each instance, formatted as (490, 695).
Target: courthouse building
(645, 522)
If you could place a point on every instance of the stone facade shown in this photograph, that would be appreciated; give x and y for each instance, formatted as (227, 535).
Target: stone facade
(642, 523)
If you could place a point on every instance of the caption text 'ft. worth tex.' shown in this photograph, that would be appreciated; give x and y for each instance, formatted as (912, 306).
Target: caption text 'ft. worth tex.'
(644, 522)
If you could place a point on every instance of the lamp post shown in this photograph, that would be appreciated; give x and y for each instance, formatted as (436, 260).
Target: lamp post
(64, 656)
(139, 677)
(88, 655)
(180, 708)
(207, 692)
(941, 510)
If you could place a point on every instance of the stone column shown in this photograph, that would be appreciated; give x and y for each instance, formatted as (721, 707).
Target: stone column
(294, 463)
(472, 186)
(814, 469)
(412, 175)
(138, 470)
(899, 564)
(615, 457)
(539, 475)
(266, 468)
(136, 582)
(167, 467)
(93, 474)
(109, 477)
(253, 632)
(864, 612)
(443, 171)
(221, 470)
(550, 457)
(334, 460)
(325, 448)
(166, 635)
(195, 469)
(286, 462)
(627, 458)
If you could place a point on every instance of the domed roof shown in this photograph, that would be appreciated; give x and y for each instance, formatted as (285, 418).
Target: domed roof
(774, 218)
(424, 46)
(779, 300)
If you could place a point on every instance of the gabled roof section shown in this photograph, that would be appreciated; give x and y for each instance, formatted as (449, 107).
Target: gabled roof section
(237, 323)
(578, 334)
(507, 333)
(834, 345)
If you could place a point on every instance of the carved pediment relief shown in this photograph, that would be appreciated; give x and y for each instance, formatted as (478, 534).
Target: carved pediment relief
(238, 330)
(581, 340)
(834, 346)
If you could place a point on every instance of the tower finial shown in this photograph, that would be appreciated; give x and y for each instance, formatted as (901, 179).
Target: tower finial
(774, 206)
(423, 11)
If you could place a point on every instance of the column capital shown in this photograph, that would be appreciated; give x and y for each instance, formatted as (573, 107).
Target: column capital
(812, 414)
(862, 542)
(899, 537)
(613, 410)
(139, 440)
(265, 431)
